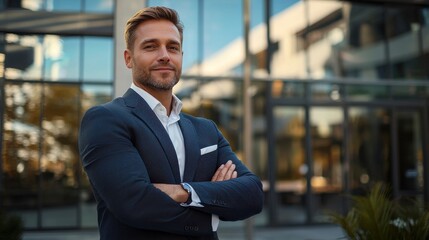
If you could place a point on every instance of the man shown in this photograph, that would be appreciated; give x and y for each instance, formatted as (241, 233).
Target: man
(157, 173)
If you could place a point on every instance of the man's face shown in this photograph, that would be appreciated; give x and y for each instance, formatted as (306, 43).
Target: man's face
(156, 55)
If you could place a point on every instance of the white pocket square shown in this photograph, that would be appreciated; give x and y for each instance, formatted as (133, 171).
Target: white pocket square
(208, 149)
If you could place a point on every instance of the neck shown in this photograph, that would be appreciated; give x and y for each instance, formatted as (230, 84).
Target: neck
(165, 97)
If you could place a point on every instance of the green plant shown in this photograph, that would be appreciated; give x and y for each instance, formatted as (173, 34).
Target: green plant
(11, 227)
(376, 216)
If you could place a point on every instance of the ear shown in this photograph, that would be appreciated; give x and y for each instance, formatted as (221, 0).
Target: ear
(128, 58)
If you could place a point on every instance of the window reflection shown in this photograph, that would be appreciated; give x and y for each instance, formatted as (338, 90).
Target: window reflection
(63, 5)
(291, 166)
(94, 95)
(59, 161)
(370, 147)
(98, 59)
(327, 147)
(20, 151)
(61, 58)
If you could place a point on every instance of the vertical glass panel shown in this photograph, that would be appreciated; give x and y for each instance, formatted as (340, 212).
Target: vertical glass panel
(410, 150)
(327, 144)
(61, 58)
(98, 59)
(370, 147)
(425, 38)
(323, 37)
(23, 57)
(223, 49)
(289, 58)
(60, 161)
(100, 6)
(403, 32)
(62, 5)
(20, 156)
(353, 43)
(289, 129)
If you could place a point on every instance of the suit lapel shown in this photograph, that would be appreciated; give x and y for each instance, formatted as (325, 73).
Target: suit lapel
(141, 109)
(192, 150)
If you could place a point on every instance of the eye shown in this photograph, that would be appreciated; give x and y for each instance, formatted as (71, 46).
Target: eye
(149, 47)
(174, 48)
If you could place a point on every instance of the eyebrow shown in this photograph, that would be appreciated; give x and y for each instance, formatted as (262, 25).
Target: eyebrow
(154, 40)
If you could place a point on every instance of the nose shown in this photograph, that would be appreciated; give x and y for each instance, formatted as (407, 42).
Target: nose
(163, 55)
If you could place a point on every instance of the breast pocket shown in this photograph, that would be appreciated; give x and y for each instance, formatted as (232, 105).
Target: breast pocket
(207, 164)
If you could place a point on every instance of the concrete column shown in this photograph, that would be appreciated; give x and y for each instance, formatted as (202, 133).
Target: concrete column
(123, 11)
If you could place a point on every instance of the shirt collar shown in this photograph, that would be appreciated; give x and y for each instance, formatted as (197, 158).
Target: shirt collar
(153, 102)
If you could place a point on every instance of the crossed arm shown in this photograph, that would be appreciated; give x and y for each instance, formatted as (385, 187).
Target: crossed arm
(178, 194)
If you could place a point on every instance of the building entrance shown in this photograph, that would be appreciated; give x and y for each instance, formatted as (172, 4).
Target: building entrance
(325, 152)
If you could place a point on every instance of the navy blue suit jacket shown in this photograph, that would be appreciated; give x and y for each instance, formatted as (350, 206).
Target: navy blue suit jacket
(124, 149)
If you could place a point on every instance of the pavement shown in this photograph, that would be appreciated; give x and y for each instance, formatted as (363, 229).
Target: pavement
(313, 232)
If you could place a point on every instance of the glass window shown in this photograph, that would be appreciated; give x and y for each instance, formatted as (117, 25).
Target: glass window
(327, 149)
(20, 151)
(62, 5)
(100, 6)
(289, 129)
(403, 31)
(95, 95)
(410, 150)
(370, 147)
(60, 162)
(31, 57)
(98, 59)
(61, 58)
(23, 57)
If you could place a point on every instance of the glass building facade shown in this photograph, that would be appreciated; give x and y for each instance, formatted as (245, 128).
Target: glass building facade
(340, 98)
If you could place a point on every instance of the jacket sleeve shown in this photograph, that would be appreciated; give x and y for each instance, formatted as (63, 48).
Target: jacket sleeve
(234, 199)
(121, 181)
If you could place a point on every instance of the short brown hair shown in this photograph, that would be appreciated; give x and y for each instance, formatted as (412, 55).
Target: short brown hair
(151, 13)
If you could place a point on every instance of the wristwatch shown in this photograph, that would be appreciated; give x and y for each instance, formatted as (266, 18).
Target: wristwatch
(188, 189)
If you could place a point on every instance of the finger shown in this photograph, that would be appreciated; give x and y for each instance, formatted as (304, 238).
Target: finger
(223, 171)
(216, 175)
(234, 175)
(229, 173)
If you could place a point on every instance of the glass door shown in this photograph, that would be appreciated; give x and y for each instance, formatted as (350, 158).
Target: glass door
(409, 151)
(291, 169)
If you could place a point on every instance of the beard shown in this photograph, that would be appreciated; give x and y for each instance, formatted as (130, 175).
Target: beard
(164, 81)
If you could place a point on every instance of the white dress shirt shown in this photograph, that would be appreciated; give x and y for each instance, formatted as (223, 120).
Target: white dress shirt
(171, 125)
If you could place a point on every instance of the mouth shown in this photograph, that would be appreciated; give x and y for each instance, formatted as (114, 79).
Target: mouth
(163, 69)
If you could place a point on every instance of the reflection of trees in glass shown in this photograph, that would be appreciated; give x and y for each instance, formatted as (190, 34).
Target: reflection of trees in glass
(21, 135)
(60, 125)
(40, 135)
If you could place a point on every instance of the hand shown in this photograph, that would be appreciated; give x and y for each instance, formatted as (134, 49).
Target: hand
(174, 191)
(225, 172)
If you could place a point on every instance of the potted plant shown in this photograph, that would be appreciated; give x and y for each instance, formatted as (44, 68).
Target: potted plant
(376, 216)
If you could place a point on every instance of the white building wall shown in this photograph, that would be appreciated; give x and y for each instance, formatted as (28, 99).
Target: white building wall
(123, 11)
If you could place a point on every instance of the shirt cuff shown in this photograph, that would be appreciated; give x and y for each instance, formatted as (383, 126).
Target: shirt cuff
(215, 222)
(195, 200)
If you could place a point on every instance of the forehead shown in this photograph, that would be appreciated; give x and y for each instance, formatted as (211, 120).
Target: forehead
(161, 30)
